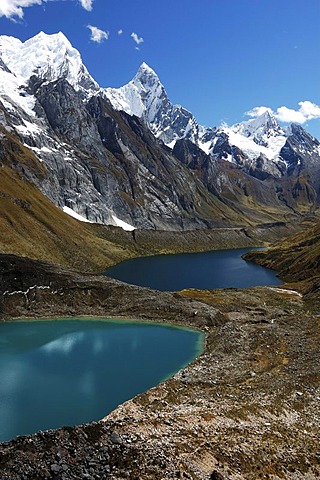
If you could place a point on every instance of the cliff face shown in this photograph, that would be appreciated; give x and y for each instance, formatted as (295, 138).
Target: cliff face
(101, 154)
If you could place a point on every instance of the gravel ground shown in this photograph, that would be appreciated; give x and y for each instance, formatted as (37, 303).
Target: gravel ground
(247, 408)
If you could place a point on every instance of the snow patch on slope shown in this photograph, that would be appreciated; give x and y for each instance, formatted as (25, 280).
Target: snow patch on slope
(75, 215)
(122, 224)
(119, 223)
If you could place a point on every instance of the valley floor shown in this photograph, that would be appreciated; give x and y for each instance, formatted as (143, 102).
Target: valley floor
(247, 408)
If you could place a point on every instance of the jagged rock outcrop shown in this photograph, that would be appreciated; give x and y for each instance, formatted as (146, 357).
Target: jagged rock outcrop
(259, 146)
(103, 154)
(146, 98)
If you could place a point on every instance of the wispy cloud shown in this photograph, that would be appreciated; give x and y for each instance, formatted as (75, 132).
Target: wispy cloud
(87, 4)
(136, 38)
(97, 35)
(14, 8)
(306, 111)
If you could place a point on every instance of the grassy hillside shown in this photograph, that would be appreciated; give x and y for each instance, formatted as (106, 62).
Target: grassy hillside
(297, 259)
(32, 226)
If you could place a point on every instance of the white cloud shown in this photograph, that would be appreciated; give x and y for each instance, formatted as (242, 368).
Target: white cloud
(309, 110)
(288, 115)
(98, 35)
(87, 4)
(14, 8)
(120, 32)
(257, 111)
(306, 111)
(136, 38)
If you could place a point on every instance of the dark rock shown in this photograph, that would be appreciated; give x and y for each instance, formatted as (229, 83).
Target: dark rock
(215, 475)
(115, 438)
(55, 468)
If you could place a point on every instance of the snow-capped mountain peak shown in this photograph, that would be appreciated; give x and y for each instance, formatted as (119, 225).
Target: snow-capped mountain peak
(151, 90)
(141, 97)
(264, 124)
(147, 81)
(258, 136)
(49, 57)
(144, 70)
(145, 97)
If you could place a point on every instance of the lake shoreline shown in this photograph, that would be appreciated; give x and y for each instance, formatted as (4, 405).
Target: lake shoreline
(224, 414)
(58, 357)
(214, 269)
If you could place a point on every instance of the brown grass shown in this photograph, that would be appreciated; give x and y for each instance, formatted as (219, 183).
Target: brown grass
(32, 226)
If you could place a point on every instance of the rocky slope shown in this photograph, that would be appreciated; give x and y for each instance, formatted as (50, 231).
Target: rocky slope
(246, 409)
(99, 153)
(34, 227)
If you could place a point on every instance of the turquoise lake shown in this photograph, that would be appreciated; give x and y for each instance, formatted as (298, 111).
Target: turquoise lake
(204, 270)
(67, 372)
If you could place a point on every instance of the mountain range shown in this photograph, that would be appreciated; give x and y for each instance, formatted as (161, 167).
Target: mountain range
(131, 158)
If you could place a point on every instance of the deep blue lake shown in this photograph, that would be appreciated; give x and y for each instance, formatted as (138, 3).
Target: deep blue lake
(68, 372)
(204, 270)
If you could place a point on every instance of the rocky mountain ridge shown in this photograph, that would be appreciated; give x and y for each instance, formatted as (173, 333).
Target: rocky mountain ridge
(102, 153)
(256, 144)
(145, 97)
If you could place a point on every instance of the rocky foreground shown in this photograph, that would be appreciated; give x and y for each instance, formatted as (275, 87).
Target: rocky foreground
(247, 408)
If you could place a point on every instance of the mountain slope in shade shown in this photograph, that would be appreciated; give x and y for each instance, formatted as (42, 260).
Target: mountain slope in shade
(107, 162)
(31, 226)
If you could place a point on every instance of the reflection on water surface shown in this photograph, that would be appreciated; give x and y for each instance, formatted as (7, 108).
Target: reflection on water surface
(67, 372)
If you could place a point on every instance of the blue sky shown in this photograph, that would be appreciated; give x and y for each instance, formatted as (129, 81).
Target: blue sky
(217, 58)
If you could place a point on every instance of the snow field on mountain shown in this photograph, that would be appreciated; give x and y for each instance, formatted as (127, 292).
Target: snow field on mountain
(251, 148)
(75, 215)
(13, 95)
(49, 56)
